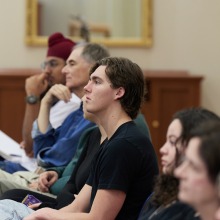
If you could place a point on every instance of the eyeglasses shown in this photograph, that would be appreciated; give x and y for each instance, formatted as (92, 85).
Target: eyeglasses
(50, 64)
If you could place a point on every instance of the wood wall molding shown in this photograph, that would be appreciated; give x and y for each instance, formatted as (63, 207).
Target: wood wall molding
(12, 100)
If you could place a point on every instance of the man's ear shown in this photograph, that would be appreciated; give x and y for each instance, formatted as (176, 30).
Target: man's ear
(119, 92)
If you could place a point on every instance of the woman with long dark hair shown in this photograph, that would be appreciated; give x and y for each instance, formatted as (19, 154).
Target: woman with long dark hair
(163, 203)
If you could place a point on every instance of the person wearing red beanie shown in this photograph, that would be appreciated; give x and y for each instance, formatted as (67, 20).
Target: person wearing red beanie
(59, 49)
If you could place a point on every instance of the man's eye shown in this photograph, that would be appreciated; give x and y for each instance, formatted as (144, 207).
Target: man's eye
(53, 63)
(71, 63)
(97, 82)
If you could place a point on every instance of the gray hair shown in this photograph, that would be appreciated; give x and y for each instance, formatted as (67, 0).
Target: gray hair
(93, 52)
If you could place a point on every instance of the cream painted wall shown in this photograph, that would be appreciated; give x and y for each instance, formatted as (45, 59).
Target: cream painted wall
(123, 9)
(186, 37)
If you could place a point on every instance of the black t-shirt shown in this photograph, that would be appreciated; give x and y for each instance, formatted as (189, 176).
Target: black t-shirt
(126, 162)
(81, 171)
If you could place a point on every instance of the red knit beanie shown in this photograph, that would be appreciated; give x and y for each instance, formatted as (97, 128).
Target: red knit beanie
(59, 46)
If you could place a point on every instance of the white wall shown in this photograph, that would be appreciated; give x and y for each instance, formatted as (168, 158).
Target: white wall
(186, 37)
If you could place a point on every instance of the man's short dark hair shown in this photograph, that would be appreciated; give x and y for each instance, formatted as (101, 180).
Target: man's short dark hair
(122, 72)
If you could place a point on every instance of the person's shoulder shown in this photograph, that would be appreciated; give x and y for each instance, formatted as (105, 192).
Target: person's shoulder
(136, 136)
(129, 134)
(73, 113)
(75, 116)
(179, 211)
(130, 128)
(175, 211)
(91, 130)
(187, 209)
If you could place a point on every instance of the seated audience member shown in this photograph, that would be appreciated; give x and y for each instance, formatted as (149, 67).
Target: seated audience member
(59, 49)
(199, 171)
(123, 170)
(52, 181)
(163, 204)
(56, 147)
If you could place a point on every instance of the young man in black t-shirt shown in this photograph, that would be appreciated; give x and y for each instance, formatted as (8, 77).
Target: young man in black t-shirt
(123, 170)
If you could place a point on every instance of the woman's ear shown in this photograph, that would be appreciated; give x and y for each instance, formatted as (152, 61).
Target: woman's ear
(119, 92)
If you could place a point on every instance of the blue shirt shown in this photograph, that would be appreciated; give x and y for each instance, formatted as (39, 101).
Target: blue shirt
(57, 146)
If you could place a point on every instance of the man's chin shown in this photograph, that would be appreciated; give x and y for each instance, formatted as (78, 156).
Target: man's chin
(69, 85)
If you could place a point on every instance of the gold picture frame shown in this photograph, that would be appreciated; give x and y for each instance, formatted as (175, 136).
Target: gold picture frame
(145, 40)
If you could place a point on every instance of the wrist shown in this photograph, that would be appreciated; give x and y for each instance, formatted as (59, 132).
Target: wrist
(32, 91)
(32, 99)
(48, 99)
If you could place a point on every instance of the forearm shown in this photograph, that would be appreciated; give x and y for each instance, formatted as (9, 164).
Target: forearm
(75, 216)
(31, 113)
(72, 208)
(43, 117)
(81, 203)
(48, 214)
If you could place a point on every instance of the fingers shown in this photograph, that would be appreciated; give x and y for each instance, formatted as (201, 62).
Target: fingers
(36, 84)
(61, 92)
(47, 179)
(33, 185)
(42, 79)
(22, 145)
(34, 206)
(43, 180)
(52, 180)
(28, 152)
(42, 76)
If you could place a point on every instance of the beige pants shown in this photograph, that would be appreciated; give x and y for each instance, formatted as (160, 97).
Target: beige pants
(18, 180)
